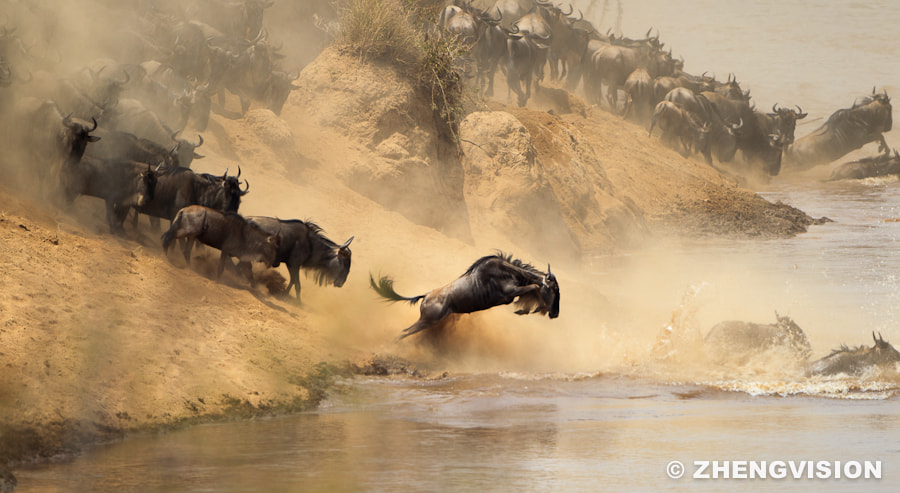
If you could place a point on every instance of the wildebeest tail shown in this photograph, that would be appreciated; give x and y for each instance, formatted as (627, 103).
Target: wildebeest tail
(169, 235)
(385, 288)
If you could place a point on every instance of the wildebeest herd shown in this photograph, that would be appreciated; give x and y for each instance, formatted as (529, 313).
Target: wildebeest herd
(117, 128)
(695, 114)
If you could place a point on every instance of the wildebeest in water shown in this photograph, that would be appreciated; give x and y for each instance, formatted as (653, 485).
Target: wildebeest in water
(738, 341)
(857, 360)
(491, 281)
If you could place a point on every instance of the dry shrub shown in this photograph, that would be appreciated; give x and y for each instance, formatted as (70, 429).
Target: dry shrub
(380, 29)
(395, 31)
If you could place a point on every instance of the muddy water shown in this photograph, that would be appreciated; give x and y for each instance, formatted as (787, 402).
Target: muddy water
(617, 426)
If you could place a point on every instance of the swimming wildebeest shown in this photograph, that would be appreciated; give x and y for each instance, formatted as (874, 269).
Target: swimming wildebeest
(491, 281)
(303, 244)
(868, 167)
(739, 341)
(857, 360)
(228, 232)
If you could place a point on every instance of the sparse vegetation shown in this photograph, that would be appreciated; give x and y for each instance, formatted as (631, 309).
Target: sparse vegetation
(389, 30)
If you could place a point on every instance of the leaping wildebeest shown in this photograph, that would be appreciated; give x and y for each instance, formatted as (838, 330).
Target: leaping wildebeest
(844, 131)
(491, 281)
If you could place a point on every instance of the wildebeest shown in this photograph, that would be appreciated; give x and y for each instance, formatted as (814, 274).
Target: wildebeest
(869, 167)
(304, 245)
(738, 341)
(53, 141)
(679, 125)
(638, 95)
(123, 145)
(491, 281)
(522, 51)
(720, 137)
(227, 232)
(857, 360)
(181, 187)
(756, 146)
(844, 131)
(121, 184)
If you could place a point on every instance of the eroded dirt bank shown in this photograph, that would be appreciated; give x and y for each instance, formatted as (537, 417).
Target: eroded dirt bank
(103, 336)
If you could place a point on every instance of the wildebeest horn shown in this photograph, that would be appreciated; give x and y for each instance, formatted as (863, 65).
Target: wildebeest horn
(225, 175)
(800, 113)
(67, 121)
(347, 243)
(95, 125)
(201, 141)
(239, 172)
(246, 187)
(548, 270)
(571, 9)
(874, 338)
(775, 108)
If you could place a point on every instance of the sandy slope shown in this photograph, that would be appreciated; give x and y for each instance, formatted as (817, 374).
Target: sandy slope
(102, 335)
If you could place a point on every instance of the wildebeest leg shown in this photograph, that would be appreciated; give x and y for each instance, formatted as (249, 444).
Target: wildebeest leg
(294, 272)
(186, 248)
(116, 217)
(883, 145)
(412, 329)
(431, 312)
(523, 290)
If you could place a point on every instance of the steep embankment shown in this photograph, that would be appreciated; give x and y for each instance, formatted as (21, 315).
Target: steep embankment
(101, 335)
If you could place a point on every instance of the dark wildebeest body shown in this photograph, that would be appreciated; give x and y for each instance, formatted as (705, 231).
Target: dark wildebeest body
(491, 281)
(229, 233)
(679, 125)
(181, 187)
(304, 245)
(870, 167)
(123, 145)
(121, 184)
(857, 360)
(738, 341)
(844, 131)
(53, 142)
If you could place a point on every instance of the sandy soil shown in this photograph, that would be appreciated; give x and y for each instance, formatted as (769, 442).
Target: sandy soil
(103, 336)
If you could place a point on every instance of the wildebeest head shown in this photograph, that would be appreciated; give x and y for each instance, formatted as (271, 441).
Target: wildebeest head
(786, 121)
(267, 251)
(280, 86)
(185, 150)
(794, 336)
(336, 267)
(77, 137)
(233, 193)
(883, 352)
(146, 186)
(550, 293)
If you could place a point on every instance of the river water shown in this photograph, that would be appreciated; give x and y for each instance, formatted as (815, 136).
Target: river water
(617, 424)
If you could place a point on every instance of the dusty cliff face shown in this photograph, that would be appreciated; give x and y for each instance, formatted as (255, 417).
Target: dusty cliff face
(402, 163)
